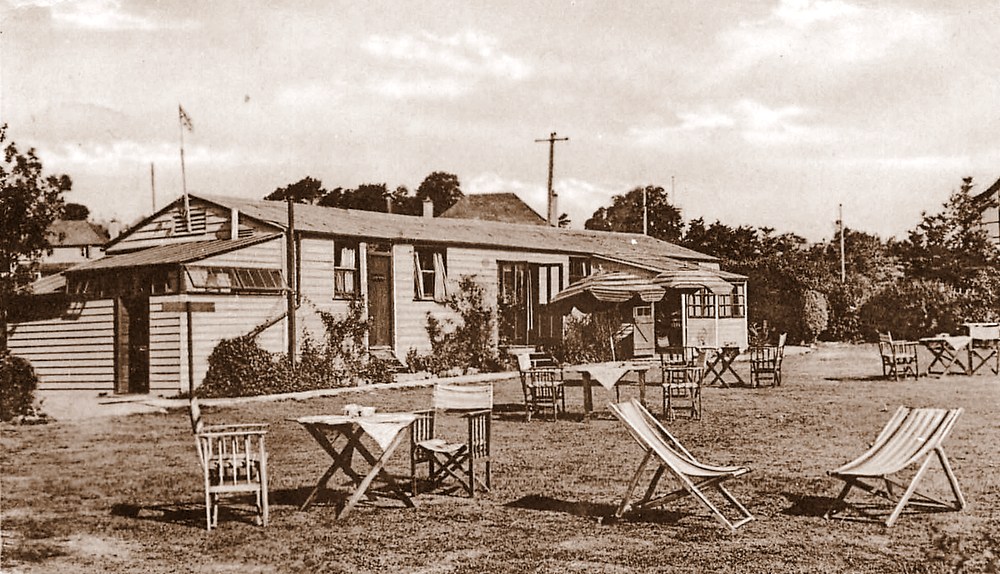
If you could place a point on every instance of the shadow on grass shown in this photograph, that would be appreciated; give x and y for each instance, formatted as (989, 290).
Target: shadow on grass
(604, 513)
(858, 379)
(807, 505)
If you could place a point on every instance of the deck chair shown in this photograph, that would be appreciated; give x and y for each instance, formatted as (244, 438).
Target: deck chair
(682, 386)
(694, 477)
(899, 358)
(910, 437)
(765, 363)
(233, 459)
(449, 460)
(541, 384)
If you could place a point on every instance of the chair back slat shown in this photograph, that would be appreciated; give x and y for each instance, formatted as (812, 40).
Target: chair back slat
(455, 397)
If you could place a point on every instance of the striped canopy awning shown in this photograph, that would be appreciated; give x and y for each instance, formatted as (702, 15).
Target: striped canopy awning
(606, 289)
(693, 279)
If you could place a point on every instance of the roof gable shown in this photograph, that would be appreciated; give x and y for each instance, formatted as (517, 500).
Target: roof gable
(75, 233)
(506, 207)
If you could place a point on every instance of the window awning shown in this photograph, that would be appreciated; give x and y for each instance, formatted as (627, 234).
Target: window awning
(693, 279)
(604, 290)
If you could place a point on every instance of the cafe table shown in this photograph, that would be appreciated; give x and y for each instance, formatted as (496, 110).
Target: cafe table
(609, 375)
(344, 436)
(946, 354)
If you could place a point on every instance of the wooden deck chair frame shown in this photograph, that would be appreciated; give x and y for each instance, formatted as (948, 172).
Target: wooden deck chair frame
(912, 436)
(694, 477)
(542, 385)
(899, 358)
(446, 459)
(765, 362)
(681, 386)
(233, 459)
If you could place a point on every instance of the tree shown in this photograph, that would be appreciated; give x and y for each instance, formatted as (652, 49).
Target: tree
(29, 203)
(442, 188)
(951, 246)
(76, 212)
(367, 197)
(626, 214)
(306, 190)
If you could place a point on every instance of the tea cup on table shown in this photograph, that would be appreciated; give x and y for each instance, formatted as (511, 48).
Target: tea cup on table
(367, 411)
(352, 410)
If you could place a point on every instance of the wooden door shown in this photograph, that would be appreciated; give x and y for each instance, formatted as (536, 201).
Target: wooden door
(132, 345)
(643, 343)
(379, 300)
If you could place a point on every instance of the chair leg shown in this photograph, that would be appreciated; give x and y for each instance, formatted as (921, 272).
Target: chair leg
(208, 509)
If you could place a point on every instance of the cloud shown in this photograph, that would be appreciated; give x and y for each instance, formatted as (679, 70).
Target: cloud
(828, 33)
(468, 52)
(91, 14)
(104, 157)
(750, 120)
(430, 66)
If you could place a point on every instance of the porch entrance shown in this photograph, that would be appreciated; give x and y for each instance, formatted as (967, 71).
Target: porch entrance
(523, 290)
(132, 345)
(379, 299)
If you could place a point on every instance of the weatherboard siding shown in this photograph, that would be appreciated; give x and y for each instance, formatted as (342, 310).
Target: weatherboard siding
(72, 352)
(267, 255)
(161, 229)
(411, 315)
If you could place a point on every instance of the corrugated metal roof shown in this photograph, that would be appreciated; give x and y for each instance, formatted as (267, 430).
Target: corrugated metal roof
(171, 253)
(49, 284)
(393, 227)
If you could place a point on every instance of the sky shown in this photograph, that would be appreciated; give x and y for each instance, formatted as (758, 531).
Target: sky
(764, 113)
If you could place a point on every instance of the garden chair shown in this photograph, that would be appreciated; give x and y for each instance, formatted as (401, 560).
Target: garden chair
(693, 477)
(898, 357)
(682, 386)
(765, 362)
(910, 437)
(541, 384)
(448, 459)
(233, 460)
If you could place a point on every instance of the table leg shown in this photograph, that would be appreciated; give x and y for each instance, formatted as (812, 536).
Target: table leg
(341, 461)
(642, 387)
(377, 469)
(588, 396)
(728, 365)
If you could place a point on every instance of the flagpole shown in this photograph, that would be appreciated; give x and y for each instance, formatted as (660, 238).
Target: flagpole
(187, 204)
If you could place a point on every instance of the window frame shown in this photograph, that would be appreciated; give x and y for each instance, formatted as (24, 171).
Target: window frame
(340, 271)
(427, 276)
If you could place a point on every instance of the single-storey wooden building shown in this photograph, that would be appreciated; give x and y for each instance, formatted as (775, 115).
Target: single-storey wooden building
(145, 318)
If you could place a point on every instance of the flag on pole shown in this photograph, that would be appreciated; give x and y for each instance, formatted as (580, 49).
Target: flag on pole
(185, 119)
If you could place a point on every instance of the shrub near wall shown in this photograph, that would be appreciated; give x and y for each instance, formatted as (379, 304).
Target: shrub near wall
(18, 382)
(914, 309)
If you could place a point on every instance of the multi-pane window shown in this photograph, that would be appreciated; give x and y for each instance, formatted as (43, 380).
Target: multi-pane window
(579, 267)
(227, 279)
(733, 305)
(700, 304)
(430, 277)
(345, 270)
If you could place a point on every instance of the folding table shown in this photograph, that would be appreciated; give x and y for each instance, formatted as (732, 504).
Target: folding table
(946, 354)
(720, 362)
(384, 429)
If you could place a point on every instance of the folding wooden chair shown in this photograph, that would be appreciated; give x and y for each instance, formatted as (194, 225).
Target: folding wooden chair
(911, 436)
(446, 459)
(765, 363)
(541, 384)
(694, 477)
(899, 358)
(233, 459)
(682, 386)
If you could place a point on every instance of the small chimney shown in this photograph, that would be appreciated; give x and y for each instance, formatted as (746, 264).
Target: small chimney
(234, 223)
(388, 204)
(428, 207)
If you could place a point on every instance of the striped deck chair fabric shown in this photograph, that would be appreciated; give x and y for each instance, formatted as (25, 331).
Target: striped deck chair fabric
(912, 436)
(693, 477)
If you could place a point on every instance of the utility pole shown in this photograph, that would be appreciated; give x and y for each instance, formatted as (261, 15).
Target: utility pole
(152, 183)
(840, 224)
(645, 214)
(553, 199)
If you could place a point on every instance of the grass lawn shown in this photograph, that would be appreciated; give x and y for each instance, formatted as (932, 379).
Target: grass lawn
(124, 494)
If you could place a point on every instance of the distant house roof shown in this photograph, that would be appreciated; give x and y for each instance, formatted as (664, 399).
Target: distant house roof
(506, 207)
(990, 191)
(437, 230)
(75, 233)
(170, 254)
